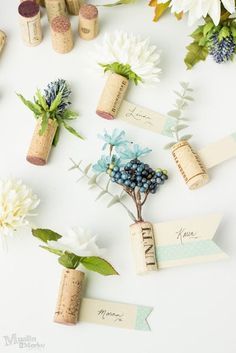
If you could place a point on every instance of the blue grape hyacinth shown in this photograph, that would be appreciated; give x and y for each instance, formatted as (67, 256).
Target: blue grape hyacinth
(222, 50)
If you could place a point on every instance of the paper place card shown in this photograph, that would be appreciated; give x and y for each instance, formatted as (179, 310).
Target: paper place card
(185, 242)
(146, 118)
(119, 315)
(219, 151)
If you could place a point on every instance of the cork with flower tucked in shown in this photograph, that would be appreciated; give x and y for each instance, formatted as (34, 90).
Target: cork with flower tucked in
(52, 112)
(88, 22)
(61, 35)
(3, 39)
(73, 6)
(126, 58)
(75, 249)
(30, 25)
(55, 8)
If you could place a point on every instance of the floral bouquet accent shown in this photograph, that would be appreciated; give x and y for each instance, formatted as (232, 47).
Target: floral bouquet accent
(123, 167)
(17, 201)
(76, 248)
(186, 159)
(52, 111)
(126, 58)
(215, 37)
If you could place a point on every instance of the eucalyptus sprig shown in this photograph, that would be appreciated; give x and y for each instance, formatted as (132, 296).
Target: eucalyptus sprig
(182, 100)
(93, 182)
(53, 105)
(68, 258)
(123, 70)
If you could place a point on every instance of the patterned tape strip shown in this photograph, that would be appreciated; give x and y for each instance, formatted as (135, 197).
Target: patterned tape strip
(187, 250)
(141, 319)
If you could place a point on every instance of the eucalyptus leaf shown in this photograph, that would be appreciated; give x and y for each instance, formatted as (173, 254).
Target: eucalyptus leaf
(186, 137)
(175, 113)
(45, 235)
(99, 265)
(113, 201)
(92, 180)
(169, 145)
(87, 168)
(101, 194)
(181, 127)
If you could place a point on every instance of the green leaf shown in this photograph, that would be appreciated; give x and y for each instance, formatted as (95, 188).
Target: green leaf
(184, 85)
(45, 235)
(186, 137)
(113, 201)
(97, 264)
(69, 115)
(41, 100)
(53, 251)
(175, 113)
(93, 179)
(87, 168)
(224, 32)
(56, 137)
(44, 124)
(71, 130)
(169, 145)
(189, 98)
(69, 260)
(181, 127)
(123, 70)
(32, 106)
(195, 54)
(207, 28)
(101, 194)
(56, 102)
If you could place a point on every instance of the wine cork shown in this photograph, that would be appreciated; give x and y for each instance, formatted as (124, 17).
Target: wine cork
(55, 8)
(73, 6)
(3, 39)
(112, 96)
(190, 165)
(62, 37)
(143, 246)
(41, 145)
(69, 298)
(31, 30)
(88, 22)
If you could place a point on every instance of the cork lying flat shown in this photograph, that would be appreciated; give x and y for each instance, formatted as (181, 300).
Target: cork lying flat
(35, 160)
(105, 115)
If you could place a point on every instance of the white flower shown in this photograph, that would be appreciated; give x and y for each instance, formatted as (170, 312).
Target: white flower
(197, 9)
(16, 203)
(126, 48)
(79, 242)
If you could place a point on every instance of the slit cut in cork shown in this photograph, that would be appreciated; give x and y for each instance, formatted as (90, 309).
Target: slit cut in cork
(41, 145)
(112, 96)
(143, 246)
(189, 165)
(69, 297)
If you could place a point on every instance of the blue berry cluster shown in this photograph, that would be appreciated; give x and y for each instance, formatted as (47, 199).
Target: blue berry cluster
(136, 174)
(222, 50)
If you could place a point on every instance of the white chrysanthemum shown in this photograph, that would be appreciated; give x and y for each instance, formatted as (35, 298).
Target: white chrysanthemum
(79, 242)
(126, 48)
(16, 203)
(197, 9)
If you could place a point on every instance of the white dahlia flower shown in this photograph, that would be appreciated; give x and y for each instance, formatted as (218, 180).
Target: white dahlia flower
(16, 203)
(77, 241)
(133, 53)
(197, 9)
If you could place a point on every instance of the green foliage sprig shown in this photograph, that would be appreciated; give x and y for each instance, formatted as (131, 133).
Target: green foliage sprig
(93, 182)
(71, 260)
(182, 100)
(123, 70)
(202, 43)
(53, 105)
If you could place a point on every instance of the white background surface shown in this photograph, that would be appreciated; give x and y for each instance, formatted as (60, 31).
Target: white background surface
(195, 305)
